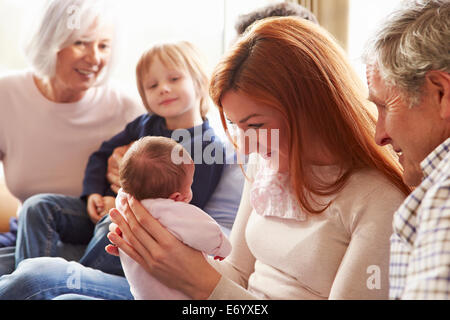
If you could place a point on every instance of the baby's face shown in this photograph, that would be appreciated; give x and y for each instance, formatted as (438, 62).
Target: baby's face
(186, 190)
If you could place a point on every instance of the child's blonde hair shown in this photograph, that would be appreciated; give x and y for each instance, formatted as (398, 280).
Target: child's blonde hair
(183, 55)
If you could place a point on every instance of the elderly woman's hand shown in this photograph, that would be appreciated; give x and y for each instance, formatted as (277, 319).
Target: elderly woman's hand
(160, 253)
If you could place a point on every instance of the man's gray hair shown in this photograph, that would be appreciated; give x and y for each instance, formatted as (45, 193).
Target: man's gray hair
(62, 23)
(413, 40)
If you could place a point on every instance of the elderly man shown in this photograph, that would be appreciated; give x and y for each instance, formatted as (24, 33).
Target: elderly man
(408, 72)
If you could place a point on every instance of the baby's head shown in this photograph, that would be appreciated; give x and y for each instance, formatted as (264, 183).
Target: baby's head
(182, 62)
(149, 170)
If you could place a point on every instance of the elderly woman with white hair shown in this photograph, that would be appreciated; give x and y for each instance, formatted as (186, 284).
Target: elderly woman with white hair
(58, 113)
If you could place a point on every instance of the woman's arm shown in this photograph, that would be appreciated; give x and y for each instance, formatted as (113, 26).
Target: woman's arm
(364, 270)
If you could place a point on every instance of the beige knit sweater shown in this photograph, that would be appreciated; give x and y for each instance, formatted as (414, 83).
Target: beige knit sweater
(342, 253)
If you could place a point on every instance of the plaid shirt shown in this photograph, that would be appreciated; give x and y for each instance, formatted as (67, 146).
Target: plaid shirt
(420, 244)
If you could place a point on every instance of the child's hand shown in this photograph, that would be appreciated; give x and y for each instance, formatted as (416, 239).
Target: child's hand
(108, 203)
(95, 207)
(113, 166)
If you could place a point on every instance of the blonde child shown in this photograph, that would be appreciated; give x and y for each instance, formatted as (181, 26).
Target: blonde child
(173, 85)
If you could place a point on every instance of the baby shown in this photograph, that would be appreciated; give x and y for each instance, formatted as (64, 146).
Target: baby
(159, 172)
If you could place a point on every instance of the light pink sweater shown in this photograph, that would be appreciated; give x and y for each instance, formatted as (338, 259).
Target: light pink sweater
(189, 224)
(45, 145)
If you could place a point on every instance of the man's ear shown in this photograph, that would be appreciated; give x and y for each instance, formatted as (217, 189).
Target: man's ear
(176, 196)
(440, 85)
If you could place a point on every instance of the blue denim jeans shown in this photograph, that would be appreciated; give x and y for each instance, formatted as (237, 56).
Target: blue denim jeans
(52, 225)
(47, 278)
(6, 260)
(95, 255)
(73, 296)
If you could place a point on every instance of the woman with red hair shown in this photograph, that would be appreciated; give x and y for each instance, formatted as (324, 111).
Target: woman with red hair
(316, 214)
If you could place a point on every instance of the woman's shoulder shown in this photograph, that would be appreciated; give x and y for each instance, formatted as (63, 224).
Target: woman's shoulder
(370, 185)
(118, 90)
(371, 181)
(123, 97)
(17, 92)
(11, 79)
(368, 194)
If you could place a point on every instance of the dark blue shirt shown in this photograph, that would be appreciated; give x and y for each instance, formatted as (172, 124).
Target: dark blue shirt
(201, 142)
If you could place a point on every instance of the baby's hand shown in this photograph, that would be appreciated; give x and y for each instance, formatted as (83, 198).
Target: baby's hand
(95, 207)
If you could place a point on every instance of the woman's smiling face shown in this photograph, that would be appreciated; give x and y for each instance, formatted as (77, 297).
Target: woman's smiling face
(80, 63)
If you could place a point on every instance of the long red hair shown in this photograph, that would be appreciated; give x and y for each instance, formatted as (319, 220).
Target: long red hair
(296, 67)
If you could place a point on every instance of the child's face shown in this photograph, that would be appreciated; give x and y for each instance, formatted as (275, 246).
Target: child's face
(171, 94)
(186, 191)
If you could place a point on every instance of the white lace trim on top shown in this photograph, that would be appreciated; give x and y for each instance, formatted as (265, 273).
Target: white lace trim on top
(273, 196)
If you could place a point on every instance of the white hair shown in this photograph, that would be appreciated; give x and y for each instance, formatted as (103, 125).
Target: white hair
(63, 22)
(412, 41)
